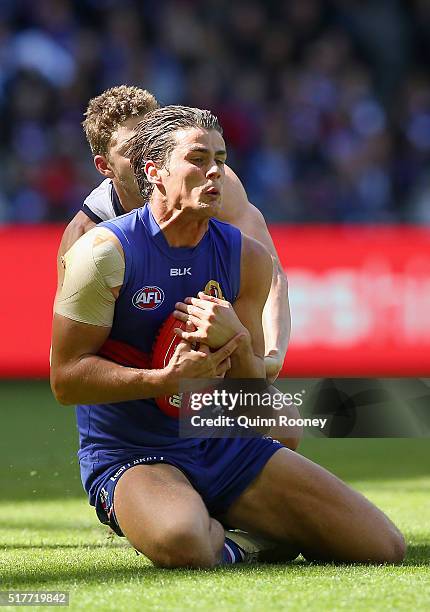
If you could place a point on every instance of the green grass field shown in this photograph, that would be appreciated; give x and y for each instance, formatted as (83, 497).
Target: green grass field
(50, 538)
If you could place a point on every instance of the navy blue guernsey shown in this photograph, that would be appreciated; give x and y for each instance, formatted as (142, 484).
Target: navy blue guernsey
(156, 277)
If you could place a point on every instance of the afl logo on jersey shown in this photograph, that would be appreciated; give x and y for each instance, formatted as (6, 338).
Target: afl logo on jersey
(148, 298)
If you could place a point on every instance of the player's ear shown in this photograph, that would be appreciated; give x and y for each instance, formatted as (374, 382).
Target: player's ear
(103, 166)
(153, 173)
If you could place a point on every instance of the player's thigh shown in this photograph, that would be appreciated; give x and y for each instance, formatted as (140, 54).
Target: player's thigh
(157, 509)
(296, 501)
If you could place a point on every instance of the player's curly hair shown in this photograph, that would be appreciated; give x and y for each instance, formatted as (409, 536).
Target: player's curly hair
(111, 108)
(153, 138)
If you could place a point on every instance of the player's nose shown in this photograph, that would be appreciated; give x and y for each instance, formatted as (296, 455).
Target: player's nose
(214, 171)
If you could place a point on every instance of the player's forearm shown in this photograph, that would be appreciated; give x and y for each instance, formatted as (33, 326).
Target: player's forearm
(95, 380)
(244, 362)
(276, 315)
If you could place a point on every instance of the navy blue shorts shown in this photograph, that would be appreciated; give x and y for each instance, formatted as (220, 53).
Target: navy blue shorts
(219, 469)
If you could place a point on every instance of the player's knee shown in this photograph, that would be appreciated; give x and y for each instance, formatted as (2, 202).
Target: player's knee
(291, 442)
(399, 549)
(395, 550)
(184, 544)
(390, 547)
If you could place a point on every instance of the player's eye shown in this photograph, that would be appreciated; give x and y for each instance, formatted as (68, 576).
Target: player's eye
(220, 162)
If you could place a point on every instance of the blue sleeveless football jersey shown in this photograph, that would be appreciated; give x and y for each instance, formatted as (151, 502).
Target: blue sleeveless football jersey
(156, 277)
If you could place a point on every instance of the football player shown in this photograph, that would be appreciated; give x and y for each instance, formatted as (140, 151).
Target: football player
(110, 120)
(171, 495)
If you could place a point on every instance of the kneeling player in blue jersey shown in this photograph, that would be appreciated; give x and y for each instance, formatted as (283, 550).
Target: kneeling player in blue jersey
(110, 119)
(170, 496)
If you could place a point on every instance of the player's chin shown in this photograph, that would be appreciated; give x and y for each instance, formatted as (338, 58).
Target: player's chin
(211, 204)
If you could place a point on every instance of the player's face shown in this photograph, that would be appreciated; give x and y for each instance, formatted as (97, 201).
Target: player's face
(194, 174)
(120, 165)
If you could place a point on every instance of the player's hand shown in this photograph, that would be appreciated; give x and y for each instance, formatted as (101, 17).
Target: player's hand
(201, 363)
(273, 364)
(215, 320)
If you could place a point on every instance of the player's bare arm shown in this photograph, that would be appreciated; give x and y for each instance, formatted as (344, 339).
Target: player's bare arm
(217, 321)
(78, 226)
(238, 211)
(256, 278)
(82, 322)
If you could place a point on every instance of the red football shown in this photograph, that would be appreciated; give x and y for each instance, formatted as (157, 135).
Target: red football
(162, 351)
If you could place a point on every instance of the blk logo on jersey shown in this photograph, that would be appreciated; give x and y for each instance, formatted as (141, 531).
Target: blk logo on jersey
(180, 271)
(148, 298)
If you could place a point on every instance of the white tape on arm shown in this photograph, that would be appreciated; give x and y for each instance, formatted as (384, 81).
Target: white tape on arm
(93, 266)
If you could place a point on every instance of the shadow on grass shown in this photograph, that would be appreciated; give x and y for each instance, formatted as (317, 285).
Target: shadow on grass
(34, 525)
(71, 577)
(418, 555)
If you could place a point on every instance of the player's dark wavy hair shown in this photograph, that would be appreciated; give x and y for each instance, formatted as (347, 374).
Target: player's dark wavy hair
(153, 138)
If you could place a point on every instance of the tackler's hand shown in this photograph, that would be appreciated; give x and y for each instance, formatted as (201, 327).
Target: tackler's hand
(273, 363)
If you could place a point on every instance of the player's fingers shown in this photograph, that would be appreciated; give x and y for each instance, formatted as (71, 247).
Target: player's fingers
(204, 305)
(210, 298)
(188, 336)
(196, 303)
(186, 318)
(189, 309)
(190, 327)
(226, 350)
(181, 306)
(181, 316)
(223, 367)
(200, 353)
(203, 348)
(184, 345)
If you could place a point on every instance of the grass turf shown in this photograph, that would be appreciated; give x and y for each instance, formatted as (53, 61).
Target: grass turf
(50, 538)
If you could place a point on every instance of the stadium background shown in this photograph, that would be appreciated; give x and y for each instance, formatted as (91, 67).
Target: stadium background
(326, 112)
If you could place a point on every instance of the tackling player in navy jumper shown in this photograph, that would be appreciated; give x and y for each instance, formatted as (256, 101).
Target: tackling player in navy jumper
(171, 496)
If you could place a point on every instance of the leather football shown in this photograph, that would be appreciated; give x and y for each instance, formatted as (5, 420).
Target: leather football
(164, 346)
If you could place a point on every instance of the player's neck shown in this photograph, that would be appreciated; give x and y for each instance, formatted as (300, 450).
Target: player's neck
(181, 228)
(128, 200)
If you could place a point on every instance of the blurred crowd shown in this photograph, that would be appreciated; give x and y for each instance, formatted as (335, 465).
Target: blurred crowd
(325, 104)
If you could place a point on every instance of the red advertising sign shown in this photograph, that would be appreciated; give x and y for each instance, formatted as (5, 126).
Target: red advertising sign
(28, 256)
(360, 299)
